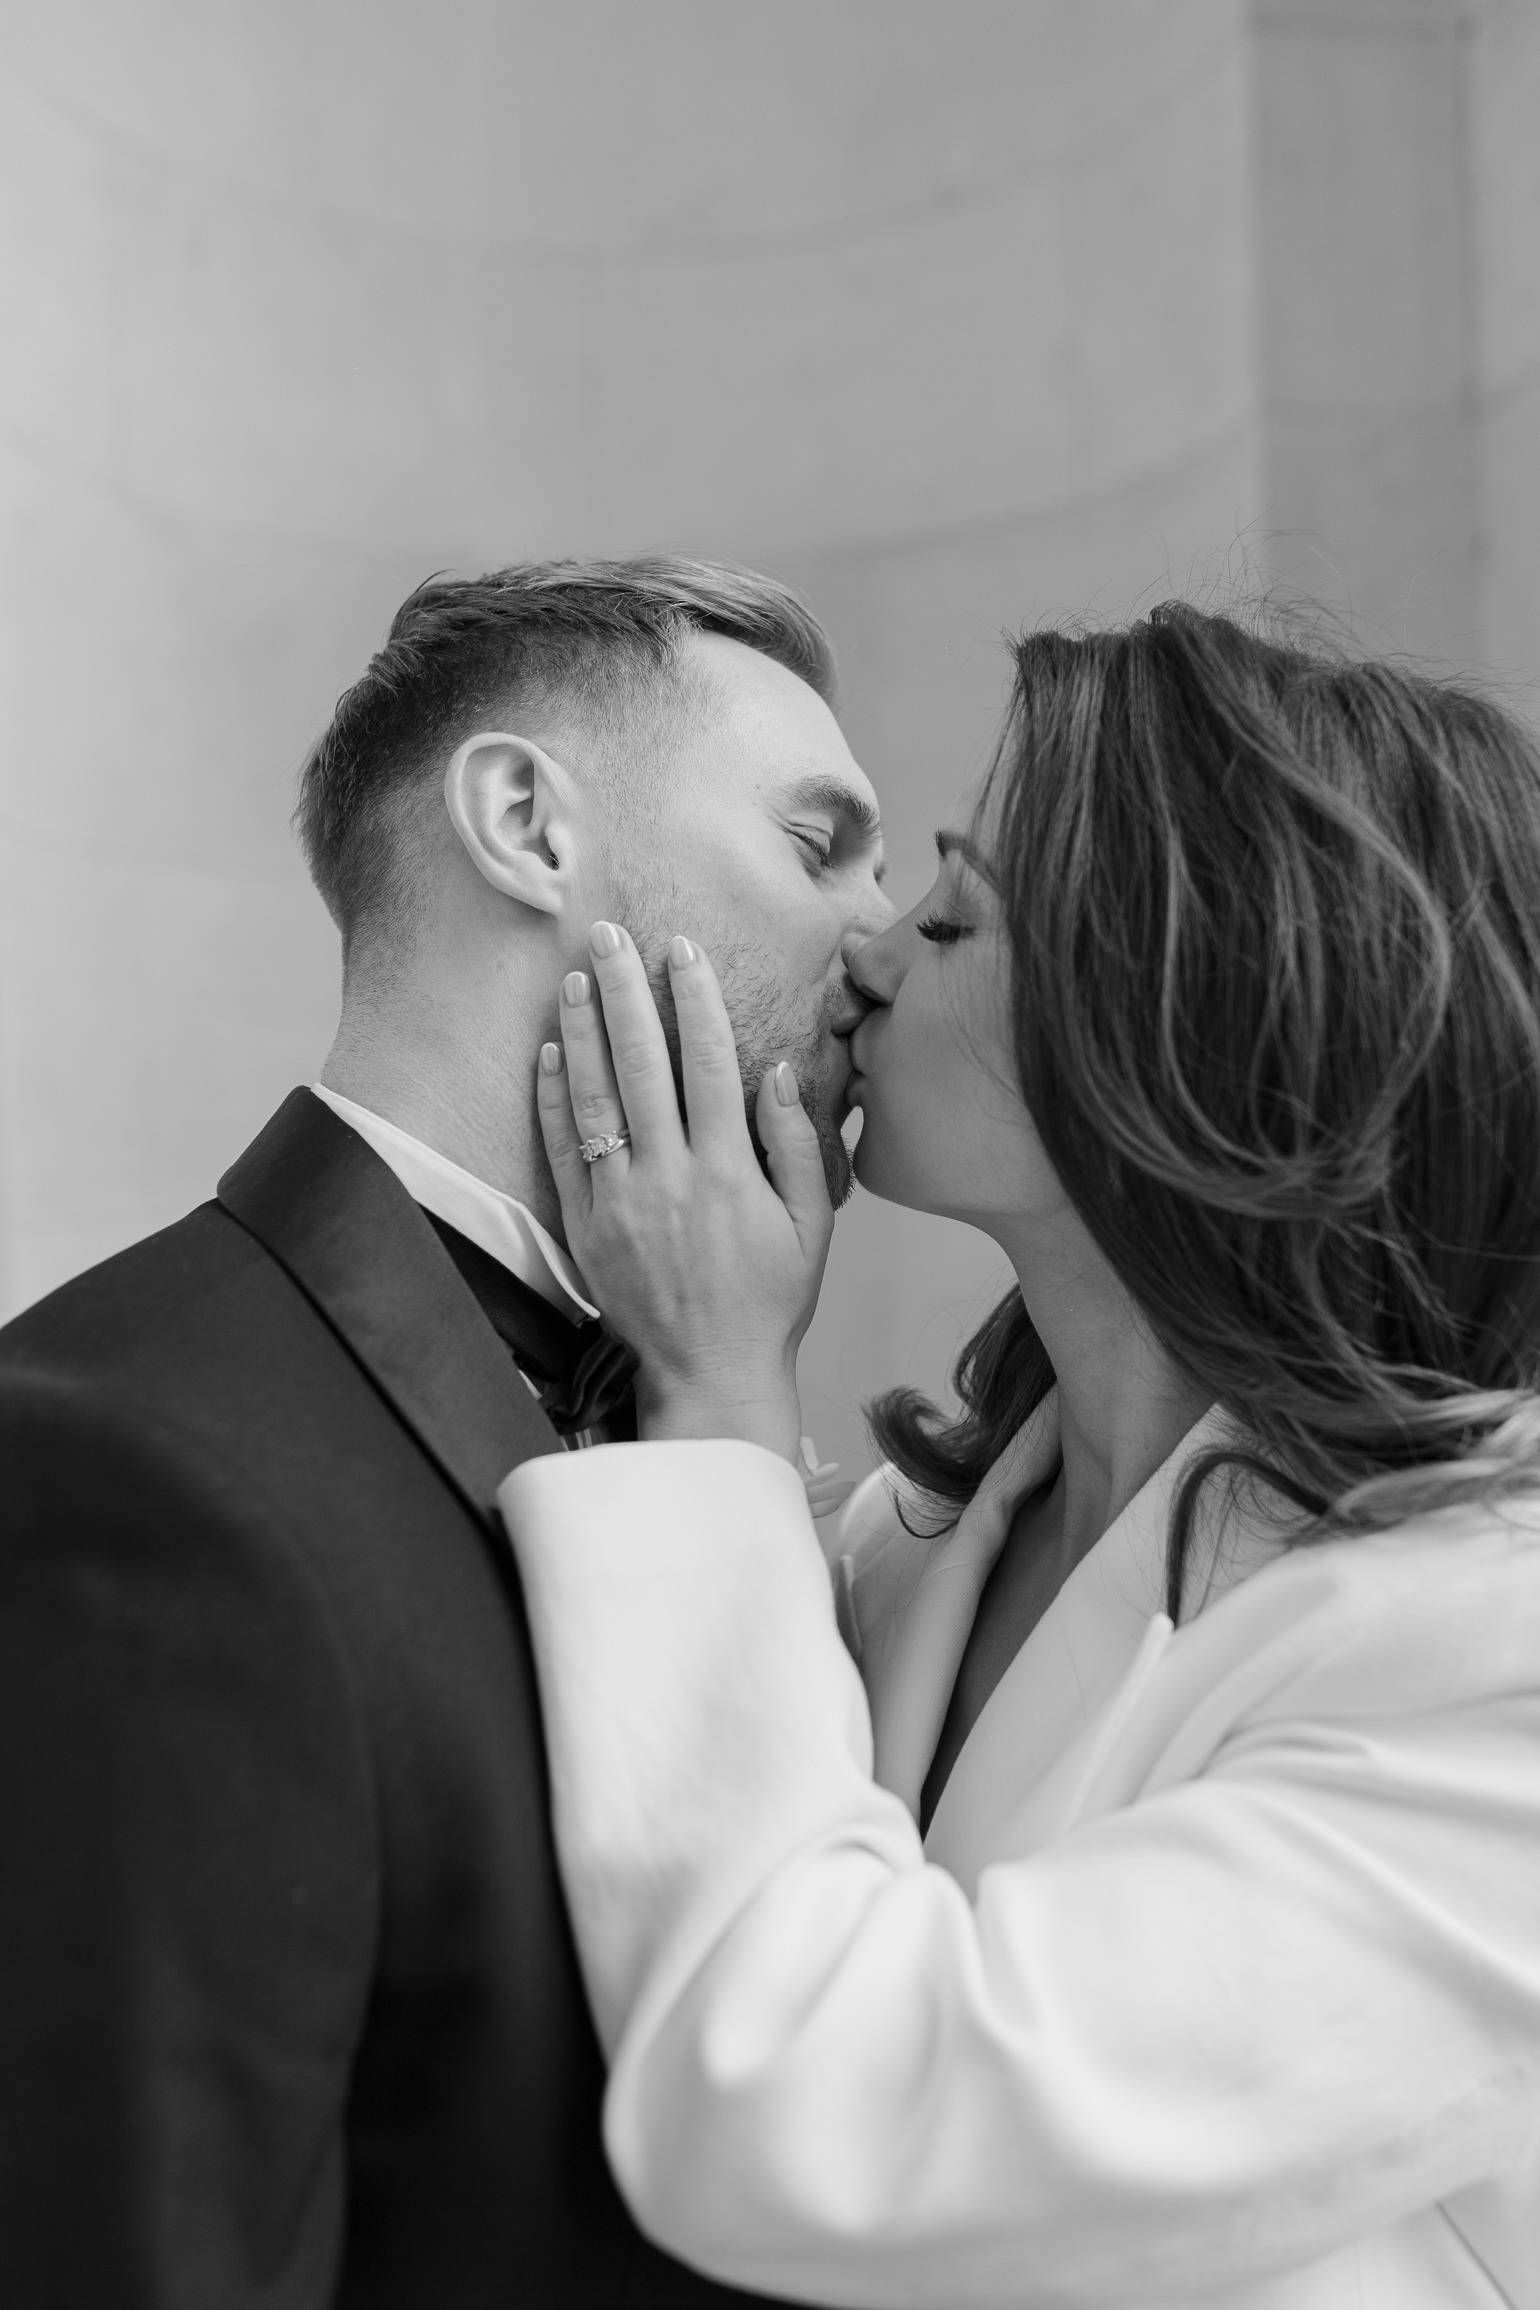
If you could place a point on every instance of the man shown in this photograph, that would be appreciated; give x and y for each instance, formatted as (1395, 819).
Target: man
(290, 2012)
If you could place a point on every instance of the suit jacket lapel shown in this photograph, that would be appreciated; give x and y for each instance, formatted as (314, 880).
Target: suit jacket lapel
(342, 1226)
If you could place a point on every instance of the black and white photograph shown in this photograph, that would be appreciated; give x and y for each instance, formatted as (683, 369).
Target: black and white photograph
(770, 1155)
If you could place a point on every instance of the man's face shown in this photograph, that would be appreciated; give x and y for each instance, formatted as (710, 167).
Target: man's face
(761, 842)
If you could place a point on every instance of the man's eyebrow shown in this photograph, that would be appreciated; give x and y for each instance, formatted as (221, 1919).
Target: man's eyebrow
(822, 792)
(847, 805)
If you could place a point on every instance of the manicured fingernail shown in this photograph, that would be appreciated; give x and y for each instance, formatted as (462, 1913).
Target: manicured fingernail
(575, 988)
(604, 939)
(550, 1058)
(785, 1085)
(681, 953)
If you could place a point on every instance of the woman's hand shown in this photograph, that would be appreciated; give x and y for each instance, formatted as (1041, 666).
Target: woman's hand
(707, 1268)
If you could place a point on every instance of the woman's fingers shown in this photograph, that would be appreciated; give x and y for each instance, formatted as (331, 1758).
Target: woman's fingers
(638, 1053)
(795, 1159)
(709, 1270)
(826, 1489)
(590, 1078)
(713, 1086)
(981, 1531)
(560, 1134)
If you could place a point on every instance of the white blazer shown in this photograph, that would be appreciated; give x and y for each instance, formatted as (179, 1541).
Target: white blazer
(1216, 1981)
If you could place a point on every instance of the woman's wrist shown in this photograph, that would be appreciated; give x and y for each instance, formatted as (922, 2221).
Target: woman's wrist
(747, 1409)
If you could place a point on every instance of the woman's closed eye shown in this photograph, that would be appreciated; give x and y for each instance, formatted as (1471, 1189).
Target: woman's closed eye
(942, 929)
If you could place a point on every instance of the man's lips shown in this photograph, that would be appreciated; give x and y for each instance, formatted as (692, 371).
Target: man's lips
(844, 1025)
(852, 1012)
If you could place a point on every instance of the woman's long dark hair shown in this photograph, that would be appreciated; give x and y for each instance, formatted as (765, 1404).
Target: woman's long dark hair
(1274, 919)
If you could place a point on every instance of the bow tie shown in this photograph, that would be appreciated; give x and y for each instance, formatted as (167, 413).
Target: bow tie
(586, 1373)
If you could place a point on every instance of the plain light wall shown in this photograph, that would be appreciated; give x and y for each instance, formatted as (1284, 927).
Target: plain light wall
(1363, 205)
(1505, 171)
(956, 316)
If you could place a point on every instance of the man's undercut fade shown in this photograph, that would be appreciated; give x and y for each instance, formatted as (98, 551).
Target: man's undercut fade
(514, 648)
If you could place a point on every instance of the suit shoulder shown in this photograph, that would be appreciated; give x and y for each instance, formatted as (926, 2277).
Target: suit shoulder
(89, 1470)
(198, 1326)
(150, 1281)
(127, 1532)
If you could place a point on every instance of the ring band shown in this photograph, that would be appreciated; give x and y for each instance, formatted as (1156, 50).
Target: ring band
(607, 1143)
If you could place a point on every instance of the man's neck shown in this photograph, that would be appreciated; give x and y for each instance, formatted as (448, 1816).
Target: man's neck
(468, 1094)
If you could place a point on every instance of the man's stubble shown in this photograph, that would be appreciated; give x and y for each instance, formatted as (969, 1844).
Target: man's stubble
(767, 1024)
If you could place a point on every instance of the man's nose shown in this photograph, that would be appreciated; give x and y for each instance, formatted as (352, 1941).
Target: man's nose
(852, 947)
(877, 915)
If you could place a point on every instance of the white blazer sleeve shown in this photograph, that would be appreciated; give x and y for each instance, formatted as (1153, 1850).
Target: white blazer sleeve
(1212, 2033)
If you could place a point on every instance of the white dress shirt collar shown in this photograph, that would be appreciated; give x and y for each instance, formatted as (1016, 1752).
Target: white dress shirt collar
(495, 1222)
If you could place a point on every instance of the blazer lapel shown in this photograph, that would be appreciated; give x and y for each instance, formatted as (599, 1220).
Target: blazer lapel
(915, 1615)
(342, 1226)
(1025, 1770)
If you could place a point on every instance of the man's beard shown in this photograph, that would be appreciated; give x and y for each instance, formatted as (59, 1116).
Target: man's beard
(766, 1030)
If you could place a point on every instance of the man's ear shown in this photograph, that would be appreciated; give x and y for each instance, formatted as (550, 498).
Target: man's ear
(515, 811)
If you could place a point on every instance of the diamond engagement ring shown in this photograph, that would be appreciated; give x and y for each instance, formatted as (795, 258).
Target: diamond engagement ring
(607, 1143)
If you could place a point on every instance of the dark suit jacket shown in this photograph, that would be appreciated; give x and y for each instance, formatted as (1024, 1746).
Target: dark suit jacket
(289, 2013)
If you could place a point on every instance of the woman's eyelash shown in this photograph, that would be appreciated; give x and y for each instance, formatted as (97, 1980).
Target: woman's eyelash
(941, 929)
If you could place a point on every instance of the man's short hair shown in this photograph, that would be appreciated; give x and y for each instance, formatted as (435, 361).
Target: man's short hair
(517, 645)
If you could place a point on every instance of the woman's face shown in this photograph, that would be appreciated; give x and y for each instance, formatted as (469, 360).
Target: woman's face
(945, 1128)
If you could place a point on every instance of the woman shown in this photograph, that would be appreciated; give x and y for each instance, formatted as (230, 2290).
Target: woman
(1210, 1632)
